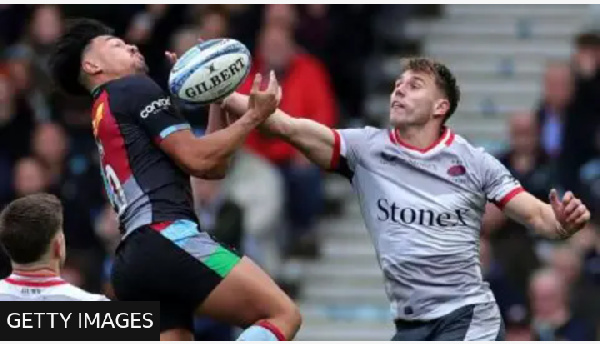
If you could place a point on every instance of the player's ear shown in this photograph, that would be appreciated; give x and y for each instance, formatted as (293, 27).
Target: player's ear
(90, 67)
(441, 107)
(58, 245)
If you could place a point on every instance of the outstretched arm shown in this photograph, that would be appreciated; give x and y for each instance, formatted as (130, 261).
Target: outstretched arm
(316, 141)
(208, 156)
(557, 220)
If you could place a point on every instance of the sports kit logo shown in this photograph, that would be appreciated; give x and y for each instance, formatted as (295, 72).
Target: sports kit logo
(216, 79)
(457, 170)
(390, 211)
(155, 106)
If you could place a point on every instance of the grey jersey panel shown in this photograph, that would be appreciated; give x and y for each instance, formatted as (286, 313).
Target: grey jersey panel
(424, 212)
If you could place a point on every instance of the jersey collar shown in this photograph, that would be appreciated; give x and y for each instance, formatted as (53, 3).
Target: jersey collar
(444, 140)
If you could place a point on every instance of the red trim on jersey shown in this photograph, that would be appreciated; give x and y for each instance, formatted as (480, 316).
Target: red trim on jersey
(421, 150)
(109, 135)
(159, 226)
(509, 196)
(35, 275)
(392, 137)
(27, 283)
(335, 157)
(273, 329)
(450, 138)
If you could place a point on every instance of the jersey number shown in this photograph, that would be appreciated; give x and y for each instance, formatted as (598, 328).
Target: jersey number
(115, 191)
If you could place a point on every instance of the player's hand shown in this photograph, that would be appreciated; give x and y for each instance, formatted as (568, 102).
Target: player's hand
(570, 213)
(264, 103)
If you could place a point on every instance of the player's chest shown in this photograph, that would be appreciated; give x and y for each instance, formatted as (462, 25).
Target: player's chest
(442, 179)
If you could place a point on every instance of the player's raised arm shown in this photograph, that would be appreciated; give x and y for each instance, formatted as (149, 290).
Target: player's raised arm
(313, 139)
(208, 156)
(557, 220)
(560, 219)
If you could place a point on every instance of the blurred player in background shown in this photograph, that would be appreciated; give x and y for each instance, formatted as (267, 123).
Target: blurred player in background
(148, 153)
(422, 191)
(31, 231)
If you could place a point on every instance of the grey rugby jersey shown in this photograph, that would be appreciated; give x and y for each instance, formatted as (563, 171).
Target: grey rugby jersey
(423, 209)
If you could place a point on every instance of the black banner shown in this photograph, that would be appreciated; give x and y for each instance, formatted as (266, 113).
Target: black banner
(79, 320)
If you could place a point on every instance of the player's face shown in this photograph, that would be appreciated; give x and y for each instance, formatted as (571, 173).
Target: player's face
(113, 57)
(415, 99)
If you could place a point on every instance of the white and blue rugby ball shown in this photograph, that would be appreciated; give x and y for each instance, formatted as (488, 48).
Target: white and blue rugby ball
(210, 71)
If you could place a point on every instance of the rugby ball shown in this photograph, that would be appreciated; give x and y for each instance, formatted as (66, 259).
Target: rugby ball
(210, 71)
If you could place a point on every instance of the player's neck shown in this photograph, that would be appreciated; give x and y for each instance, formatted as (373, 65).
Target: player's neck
(49, 269)
(421, 137)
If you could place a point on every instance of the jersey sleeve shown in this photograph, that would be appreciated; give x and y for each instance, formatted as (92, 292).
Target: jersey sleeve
(153, 108)
(348, 150)
(498, 183)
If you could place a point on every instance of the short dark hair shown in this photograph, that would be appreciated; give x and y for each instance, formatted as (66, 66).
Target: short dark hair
(444, 79)
(27, 226)
(65, 58)
(589, 39)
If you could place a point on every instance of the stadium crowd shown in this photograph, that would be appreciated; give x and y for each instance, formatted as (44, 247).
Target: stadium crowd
(270, 203)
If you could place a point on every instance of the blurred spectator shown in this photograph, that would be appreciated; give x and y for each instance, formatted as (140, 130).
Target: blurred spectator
(554, 106)
(525, 158)
(214, 23)
(284, 16)
(29, 178)
(314, 30)
(257, 187)
(217, 213)
(45, 28)
(552, 318)
(12, 20)
(581, 129)
(16, 125)
(50, 147)
(511, 300)
(307, 93)
(513, 243)
(16, 121)
(183, 39)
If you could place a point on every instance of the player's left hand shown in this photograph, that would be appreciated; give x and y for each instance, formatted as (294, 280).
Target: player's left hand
(571, 213)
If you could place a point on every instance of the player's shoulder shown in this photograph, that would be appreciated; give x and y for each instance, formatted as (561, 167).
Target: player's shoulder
(135, 84)
(79, 294)
(462, 146)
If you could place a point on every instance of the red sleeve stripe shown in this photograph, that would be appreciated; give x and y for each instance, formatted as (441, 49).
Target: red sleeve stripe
(273, 329)
(335, 157)
(509, 196)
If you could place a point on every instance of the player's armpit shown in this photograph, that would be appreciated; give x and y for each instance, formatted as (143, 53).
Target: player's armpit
(533, 213)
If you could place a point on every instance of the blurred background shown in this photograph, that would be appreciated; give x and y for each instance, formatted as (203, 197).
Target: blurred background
(530, 76)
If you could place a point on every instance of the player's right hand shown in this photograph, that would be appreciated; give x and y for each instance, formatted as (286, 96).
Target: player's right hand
(264, 103)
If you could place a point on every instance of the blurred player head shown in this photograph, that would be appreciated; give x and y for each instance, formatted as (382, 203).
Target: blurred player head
(558, 85)
(548, 295)
(88, 55)
(29, 177)
(524, 133)
(277, 47)
(425, 91)
(31, 231)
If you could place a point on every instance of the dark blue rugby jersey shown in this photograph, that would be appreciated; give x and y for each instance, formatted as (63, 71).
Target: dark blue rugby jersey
(130, 117)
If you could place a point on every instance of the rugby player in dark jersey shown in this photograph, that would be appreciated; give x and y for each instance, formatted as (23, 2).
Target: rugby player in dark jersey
(148, 154)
